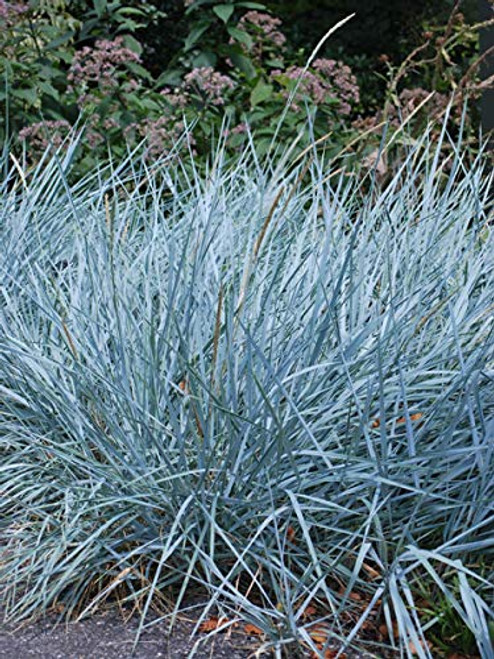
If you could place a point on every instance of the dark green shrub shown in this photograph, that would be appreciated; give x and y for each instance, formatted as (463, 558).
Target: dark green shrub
(234, 70)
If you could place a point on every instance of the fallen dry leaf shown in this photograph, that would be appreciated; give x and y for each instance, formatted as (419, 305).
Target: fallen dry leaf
(356, 597)
(309, 611)
(212, 623)
(253, 630)
(353, 595)
(413, 649)
(384, 631)
(413, 417)
(290, 534)
(374, 574)
(328, 654)
(319, 634)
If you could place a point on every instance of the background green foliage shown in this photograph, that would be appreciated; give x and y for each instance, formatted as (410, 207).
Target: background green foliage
(149, 50)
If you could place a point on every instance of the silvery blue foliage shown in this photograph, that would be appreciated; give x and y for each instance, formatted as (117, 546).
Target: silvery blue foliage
(192, 365)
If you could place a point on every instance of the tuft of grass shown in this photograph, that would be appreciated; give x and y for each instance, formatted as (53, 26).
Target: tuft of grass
(271, 385)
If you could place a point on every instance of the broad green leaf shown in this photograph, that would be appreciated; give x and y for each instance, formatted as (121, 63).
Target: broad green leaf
(29, 95)
(241, 36)
(132, 43)
(195, 34)
(244, 65)
(139, 70)
(252, 5)
(100, 7)
(275, 63)
(171, 77)
(150, 104)
(205, 58)
(261, 92)
(130, 11)
(48, 89)
(224, 12)
(62, 39)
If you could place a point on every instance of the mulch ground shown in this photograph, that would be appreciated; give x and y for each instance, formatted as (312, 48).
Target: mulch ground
(107, 636)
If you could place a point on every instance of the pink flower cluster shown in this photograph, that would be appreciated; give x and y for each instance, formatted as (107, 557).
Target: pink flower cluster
(176, 98)
(205, 82)
(100, 69)
(240, 129)
(209, 83)
(9, 11)
(265, 23)
(328, 83)
(44, 134)
(263, 29)
(342, 80)
(161, 135)
(410, 99)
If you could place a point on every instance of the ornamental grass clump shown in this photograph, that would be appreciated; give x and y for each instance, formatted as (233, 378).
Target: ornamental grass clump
(269, 387)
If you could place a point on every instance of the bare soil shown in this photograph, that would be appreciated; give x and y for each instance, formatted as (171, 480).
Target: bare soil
(107, 636)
